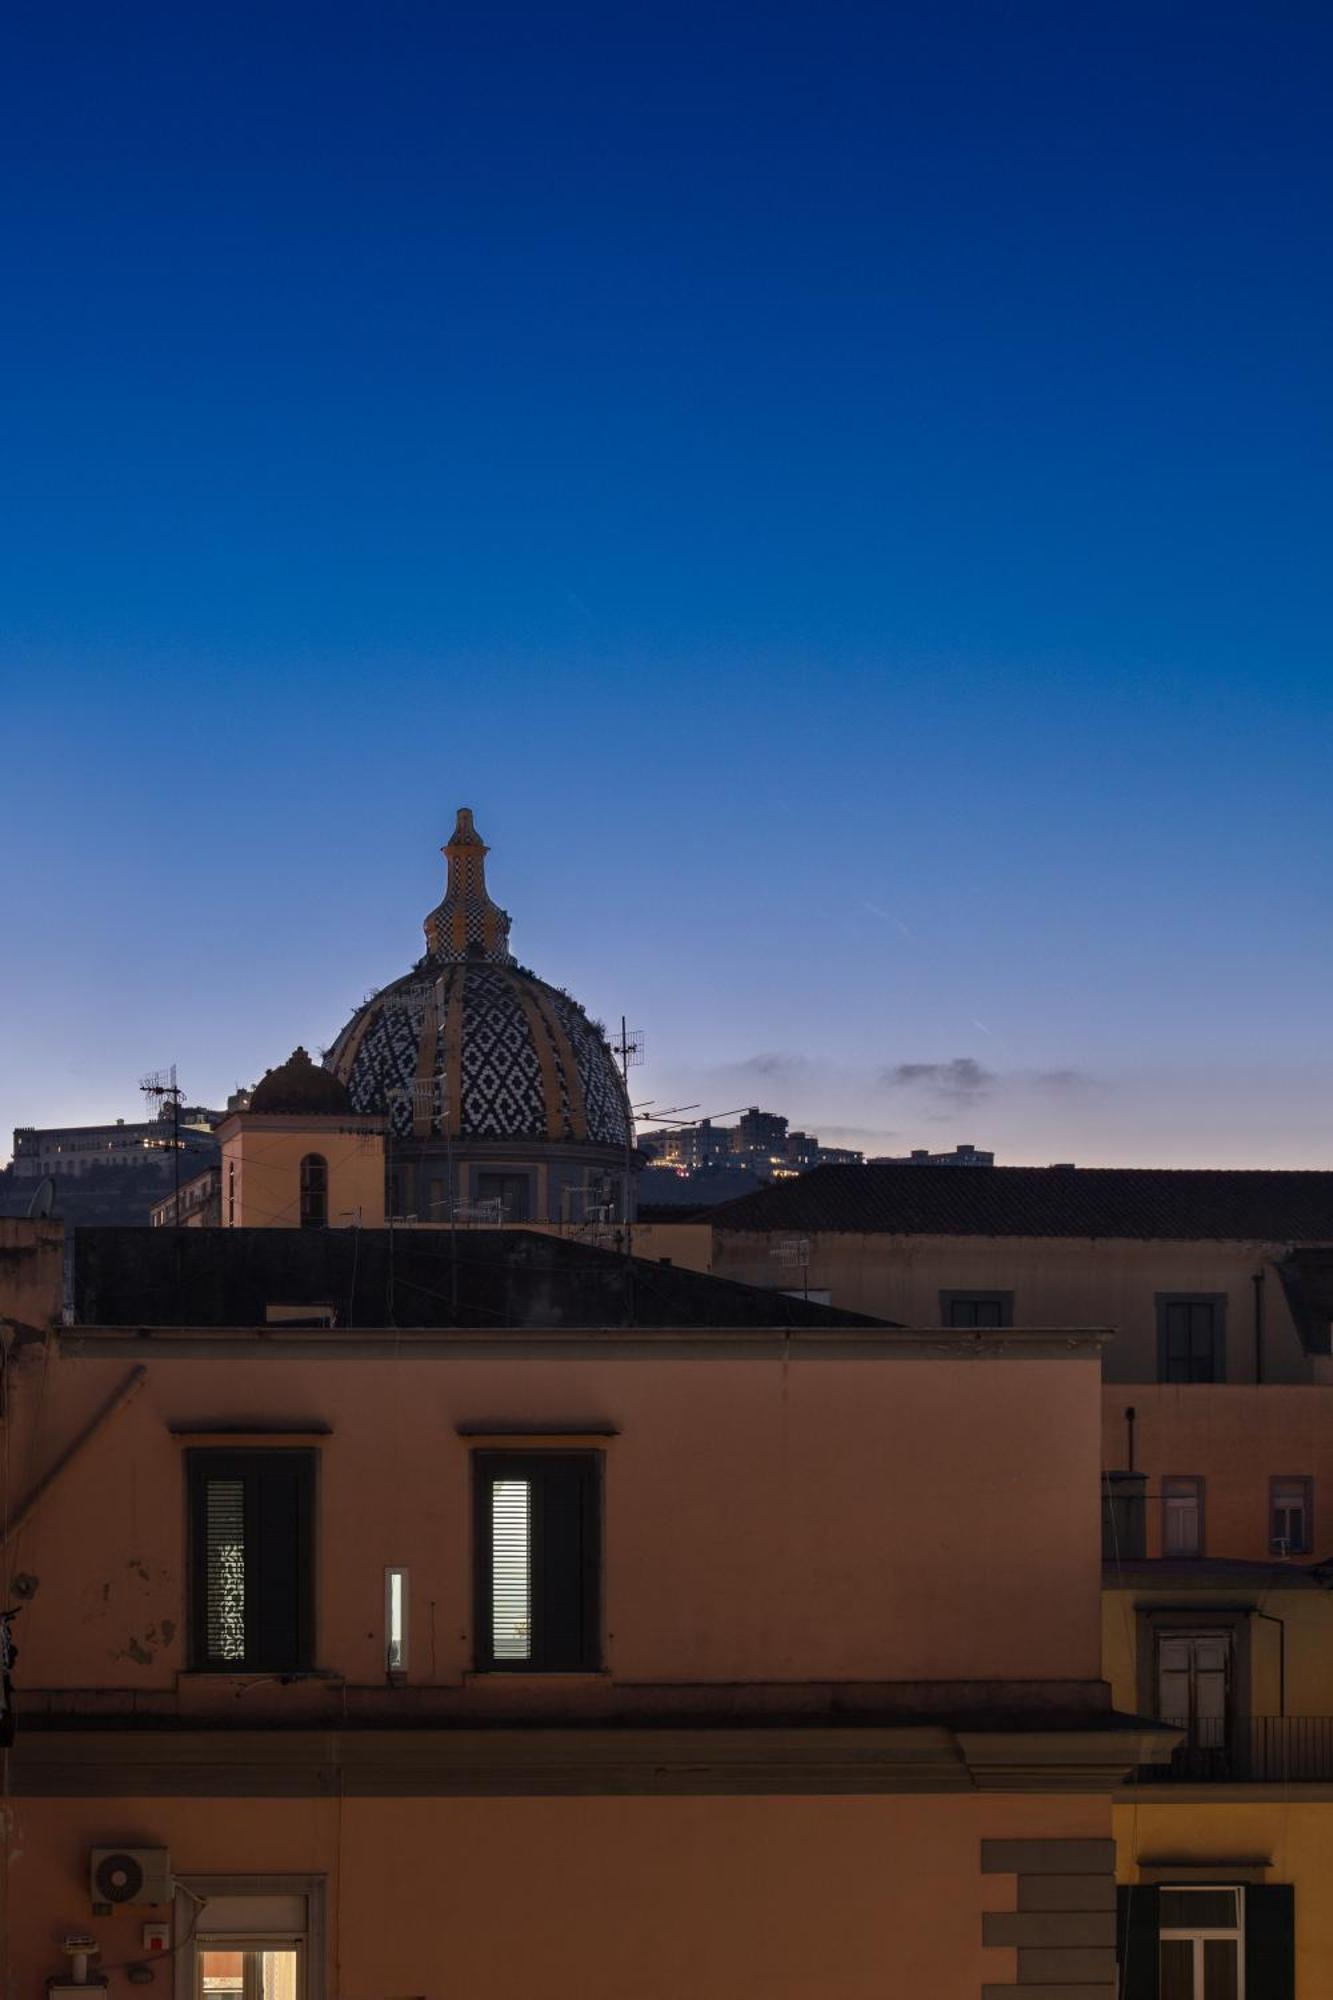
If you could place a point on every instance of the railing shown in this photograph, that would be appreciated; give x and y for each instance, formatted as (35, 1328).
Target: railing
(1257, 1749)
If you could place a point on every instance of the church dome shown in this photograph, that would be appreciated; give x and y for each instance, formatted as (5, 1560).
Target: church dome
(469, 1045)
(300, 1088)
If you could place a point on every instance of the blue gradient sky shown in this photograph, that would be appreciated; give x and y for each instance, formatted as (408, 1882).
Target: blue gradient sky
(843, 491)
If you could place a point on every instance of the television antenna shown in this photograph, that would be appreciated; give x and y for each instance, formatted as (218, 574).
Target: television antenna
(162, 1085)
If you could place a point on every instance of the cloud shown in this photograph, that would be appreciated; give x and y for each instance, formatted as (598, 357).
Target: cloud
(959, 1082)
(1060, 1081)
(769, 1063)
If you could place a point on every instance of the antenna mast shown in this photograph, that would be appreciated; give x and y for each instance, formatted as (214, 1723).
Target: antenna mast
(162, 1085)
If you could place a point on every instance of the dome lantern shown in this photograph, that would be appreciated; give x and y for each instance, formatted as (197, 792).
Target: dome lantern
(467, 924)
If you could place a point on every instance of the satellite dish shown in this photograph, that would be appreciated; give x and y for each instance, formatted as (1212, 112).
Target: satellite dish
(43, 1198)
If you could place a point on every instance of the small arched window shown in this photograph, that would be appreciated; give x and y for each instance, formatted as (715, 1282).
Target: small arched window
(314, 1191)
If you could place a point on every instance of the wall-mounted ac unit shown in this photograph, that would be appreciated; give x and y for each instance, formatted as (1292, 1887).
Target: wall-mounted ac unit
(120, 1875)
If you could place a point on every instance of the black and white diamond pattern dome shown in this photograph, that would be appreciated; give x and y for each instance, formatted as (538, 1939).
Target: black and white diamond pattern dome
(480, 1050)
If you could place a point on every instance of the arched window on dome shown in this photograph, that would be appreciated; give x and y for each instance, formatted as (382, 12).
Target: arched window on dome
(314, 1191)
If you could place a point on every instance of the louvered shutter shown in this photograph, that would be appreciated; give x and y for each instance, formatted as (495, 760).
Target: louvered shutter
(538, 1560)
(1136, 1941)
(250, 1560)
(1270, 1941)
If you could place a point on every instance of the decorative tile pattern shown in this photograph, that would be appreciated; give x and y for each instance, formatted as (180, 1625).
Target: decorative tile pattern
(502, 1087)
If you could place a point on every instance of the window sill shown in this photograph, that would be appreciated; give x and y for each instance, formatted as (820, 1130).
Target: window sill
(283, 1674)
(535, 1676)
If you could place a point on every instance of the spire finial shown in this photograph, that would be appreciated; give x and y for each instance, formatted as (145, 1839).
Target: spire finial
(467, 924)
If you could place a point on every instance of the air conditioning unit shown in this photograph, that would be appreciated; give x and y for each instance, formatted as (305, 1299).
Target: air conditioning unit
(121, 1875)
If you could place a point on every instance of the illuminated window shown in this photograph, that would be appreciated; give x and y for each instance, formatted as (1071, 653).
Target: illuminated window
(395, 1622)
(538, 1560)
(314, 1191)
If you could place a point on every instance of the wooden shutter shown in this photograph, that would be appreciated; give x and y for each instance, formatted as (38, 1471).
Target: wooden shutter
(251, 1581)
(567, 1566)
(279, 1596)
(1270, 1942)
(1136, 1941)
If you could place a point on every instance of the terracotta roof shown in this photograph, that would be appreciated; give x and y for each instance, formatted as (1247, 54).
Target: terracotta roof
(1184, 1203)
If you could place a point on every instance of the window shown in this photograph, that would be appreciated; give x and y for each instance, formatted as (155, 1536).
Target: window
(538, 1569)
(249, 1937)
(510, 1190)
(1206, 1941)
(1201, 1935)
(1291, 1516)
(395, 1623)
(243, 1971)
(1182, 1517)
(250, 1527)
(314, 1191)
(970, 1309)
(1191, 1337)
(1194, 1686)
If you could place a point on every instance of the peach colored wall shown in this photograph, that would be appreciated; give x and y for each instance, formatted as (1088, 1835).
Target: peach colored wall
(31, 1271)
(818, 1519)
(608, 1899)
(266, 1152)
(1234, 1436)
(1056, 1281)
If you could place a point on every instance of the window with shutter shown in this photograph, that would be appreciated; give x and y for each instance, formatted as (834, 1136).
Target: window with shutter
(538, 1561)
(1205, 1941)
(250, 1575)
(1137, 1941)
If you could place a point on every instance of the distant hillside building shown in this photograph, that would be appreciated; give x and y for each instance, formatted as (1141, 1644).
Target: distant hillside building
(759, 1143)
(961, 1156)
(62, 1150)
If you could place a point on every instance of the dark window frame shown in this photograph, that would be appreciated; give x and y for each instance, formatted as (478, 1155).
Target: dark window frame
(314, 1191)
(262, 1653)
(1200, 1484)
(1306, 1480)
(520, 1183)
(1217, 1302)
(1003, 1300)
(583, 1653)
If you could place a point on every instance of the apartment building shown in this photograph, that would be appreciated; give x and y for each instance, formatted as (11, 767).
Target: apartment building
(466, 1656)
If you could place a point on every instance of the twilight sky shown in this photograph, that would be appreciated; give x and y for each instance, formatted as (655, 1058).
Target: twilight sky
(843, 491)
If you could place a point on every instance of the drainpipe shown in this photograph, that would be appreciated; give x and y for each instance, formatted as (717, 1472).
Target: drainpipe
(1257, 1280)
(1129, 1437)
